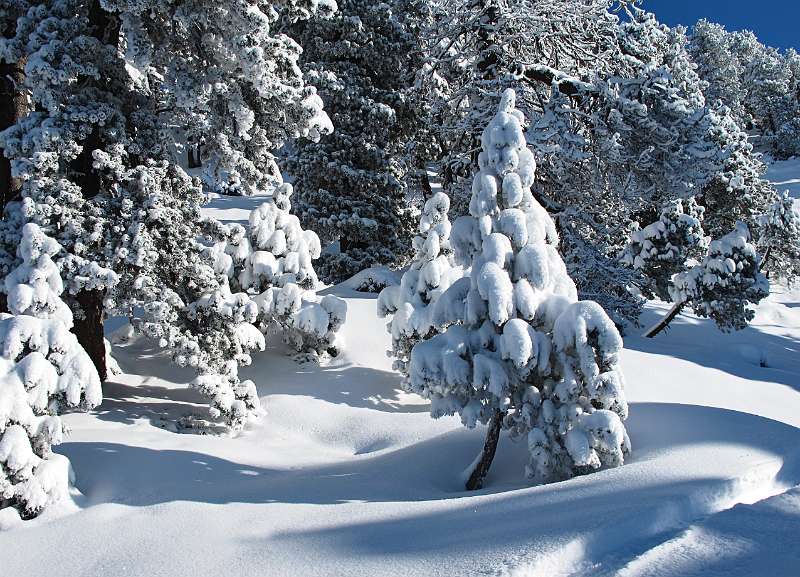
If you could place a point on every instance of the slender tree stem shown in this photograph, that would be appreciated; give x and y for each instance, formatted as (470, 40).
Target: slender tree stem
(663, 323)
(483, 463)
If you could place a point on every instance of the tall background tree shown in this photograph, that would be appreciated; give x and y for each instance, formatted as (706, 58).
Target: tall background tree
(357, 185)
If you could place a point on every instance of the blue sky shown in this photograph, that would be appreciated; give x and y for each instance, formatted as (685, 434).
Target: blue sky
(775, 22)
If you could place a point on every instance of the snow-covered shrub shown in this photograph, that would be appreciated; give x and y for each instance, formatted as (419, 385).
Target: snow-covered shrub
(271, 262)
(520, 350)
(725, 283)
(412, 303)
(273, 250)
(43, 370)
(661, 249)
(309, 323)
(779, 239)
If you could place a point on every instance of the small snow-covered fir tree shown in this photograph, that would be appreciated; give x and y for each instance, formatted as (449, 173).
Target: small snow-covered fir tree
(779, 239)
(271, 261)
(412, 304)
(521, 352)
(721, 287)
(661, 249)
(43, 369)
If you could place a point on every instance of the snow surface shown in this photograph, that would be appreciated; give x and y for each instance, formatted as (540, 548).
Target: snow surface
(346, 474)
(785, 175)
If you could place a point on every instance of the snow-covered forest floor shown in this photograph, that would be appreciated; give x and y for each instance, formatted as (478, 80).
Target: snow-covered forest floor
(348, 475)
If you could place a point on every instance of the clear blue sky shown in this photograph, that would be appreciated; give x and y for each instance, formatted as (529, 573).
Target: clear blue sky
(775, 22)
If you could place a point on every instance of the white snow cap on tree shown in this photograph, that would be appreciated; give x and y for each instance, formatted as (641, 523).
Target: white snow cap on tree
(518, 345)
(412, 304)
(42, 369)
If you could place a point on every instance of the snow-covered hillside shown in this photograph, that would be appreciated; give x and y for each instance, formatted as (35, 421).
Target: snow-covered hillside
(347, 475)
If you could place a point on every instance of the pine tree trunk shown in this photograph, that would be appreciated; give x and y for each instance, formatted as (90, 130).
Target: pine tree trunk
(481, 469)
(89, 329)
(663, 323)
(193, 156)
(425, 182)
(764, 259)
(13, 107)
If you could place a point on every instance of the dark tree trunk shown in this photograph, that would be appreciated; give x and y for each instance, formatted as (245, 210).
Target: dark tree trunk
(425, 182)
(13, 107)
(481, 469)
(663, 323)
(193, 156)
(89, 329)
(764, 259)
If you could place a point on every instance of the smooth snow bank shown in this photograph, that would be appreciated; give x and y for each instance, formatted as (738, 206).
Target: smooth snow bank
(348, 475)
(784, 175)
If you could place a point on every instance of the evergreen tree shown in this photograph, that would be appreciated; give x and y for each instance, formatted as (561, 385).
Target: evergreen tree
(412, 304)
(662, 249)
(721, 287)
(521, 352)
(108, 81)
(353, 185)
(270, 260)
(779, 239)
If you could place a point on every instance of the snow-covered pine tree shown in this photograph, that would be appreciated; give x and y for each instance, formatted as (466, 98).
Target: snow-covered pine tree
(44, 369)
(352, 185)
(779, 239)
(723, 286)
(109, 79)
(412, 303)
(522, 352)
(737, 191)
(271, 261)
(663, 248)
(757, 82)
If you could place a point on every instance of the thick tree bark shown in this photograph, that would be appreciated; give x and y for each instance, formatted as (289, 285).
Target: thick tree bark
(13, 107)
(89, 329)
(663, 323)
(486, 457)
